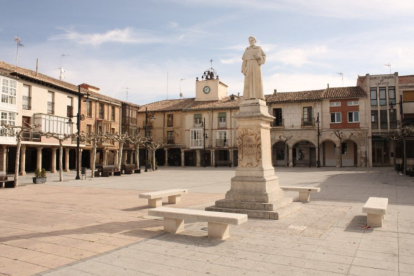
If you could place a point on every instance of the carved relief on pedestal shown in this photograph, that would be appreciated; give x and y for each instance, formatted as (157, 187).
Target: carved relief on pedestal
(250, 152)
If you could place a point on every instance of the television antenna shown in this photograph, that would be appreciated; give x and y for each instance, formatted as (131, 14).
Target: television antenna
(62, 71)
(181, 94)
(18, 44)
(342, 77)
(389, 65)
(127, 88)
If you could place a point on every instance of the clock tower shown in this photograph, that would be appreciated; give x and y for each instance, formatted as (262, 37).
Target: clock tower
(210, 88)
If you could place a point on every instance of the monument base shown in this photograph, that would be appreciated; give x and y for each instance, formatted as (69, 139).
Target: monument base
(255, 189)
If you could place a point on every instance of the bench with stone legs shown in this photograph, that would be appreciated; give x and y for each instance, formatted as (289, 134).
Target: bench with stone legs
(375, 208)
(155, 198)
(304, 192)
(218, 222)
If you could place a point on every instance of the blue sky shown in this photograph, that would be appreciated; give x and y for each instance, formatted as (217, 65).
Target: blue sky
(119, 44)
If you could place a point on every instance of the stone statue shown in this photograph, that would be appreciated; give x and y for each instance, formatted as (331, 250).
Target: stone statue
(253, 58)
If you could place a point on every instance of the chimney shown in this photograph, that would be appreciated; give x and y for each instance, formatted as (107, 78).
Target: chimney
(37, 66)
(274, 92)
(90, 87)
(327, 87)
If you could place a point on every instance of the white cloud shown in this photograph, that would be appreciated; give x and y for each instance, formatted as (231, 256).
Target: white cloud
(127, 35)
(298, 57)
(231, 60)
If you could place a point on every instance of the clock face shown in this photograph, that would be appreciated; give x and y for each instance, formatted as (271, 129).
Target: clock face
(206, 89)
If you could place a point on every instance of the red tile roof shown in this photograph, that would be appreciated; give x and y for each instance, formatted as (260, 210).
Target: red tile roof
(406, 79)
(343, 92)
(303, 96)
(167, 105)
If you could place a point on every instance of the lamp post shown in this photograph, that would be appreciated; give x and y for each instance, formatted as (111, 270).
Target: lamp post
(401, 126)
(204, 142)
(318, 163)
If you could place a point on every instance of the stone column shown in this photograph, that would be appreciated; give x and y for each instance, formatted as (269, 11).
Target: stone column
(290, 156)
(198, 158)
(182, 158)
(213, 158)
(231, 157)
(22, 160)
(39, 158)
(116, 158)
(338, 155)
(166, 157)
(91, 158)
(125, 156)
(53, 168)
(104, 157)
(4, 158)
(67, 159)
(80, 159)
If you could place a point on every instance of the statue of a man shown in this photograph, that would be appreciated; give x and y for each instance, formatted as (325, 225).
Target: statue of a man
(253, 58)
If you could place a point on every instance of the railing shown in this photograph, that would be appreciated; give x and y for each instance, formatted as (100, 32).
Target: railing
(277, 123)
(308, 122)
(374, 125)
(50, 107)
(31, 136)
(196, 143)
(170, 141)
(393, 125)
(220, 143)
(198, 123)
(384, 125)
(222, 124)
(26, 103)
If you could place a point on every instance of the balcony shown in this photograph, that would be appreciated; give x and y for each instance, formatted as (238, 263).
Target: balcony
(149, 123)
(221, 143)
(393, 125)
(50, 108)
(198, 123)
(278, 123)
(26, 103)
(308, 122)
(31, 136)
(374, 125)
(222, 124)
(170, 141)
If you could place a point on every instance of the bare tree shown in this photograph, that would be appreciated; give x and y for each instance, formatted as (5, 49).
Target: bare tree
(400, 135)
(61, 138)
(92, 138)
(18, 131)
(121, 139)
(137, 140)
(154, 145)
(341, 138)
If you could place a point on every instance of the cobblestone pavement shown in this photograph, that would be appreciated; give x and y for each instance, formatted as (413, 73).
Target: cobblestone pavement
(101, 227)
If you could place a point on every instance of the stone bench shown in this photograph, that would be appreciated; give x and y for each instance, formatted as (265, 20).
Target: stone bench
(375, 208)
(218, 222)
(304, 192)
(155, 198)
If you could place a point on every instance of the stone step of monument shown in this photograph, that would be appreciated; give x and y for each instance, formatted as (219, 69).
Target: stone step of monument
(278, 214)
(273, 206)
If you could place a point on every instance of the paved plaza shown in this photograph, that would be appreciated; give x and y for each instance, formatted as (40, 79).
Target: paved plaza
(100, 227)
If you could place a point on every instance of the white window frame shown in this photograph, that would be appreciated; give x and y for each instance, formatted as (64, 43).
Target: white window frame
(8, 91)
(7, 118)
(196, 138)
(353, 116)
(352, 103)
(53, 124)
(340, 117)
(222, 135)
(334, 104)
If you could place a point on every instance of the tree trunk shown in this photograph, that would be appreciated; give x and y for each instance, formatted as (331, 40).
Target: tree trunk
(153, 160)
(137, 156)
(121, 148)
(93, 159)
(60, 161)
(16, 165)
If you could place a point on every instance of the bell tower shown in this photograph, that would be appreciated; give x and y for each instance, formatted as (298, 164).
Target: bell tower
(210, 88)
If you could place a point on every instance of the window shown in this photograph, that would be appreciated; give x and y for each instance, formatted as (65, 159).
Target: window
(69, 107)
(54, 124)
(384, 119)
(222, 119)
(277, 113)
(332, 104)
(89, 109)
(88, 129)
(26, 100)
(101, 111)
(8, 91)
(8, 118)
(344, 148)
(352, 103)
(383, 97)
(170, 120)
(374, 119)
(374, 101)
(50, 102)
(307, 116)
(335, 117)
(353, 117)
(393, 119)
(196, 138)
(197, 119)
(391, 95)
(113, 113)
(170, 137)
(221, 138)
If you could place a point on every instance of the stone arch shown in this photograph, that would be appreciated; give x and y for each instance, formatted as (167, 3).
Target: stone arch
(280, 153)
(303, 153)
(350, 153)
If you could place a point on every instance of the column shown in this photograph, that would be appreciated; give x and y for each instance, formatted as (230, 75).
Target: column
(125, 157)
(198, 158)
(166, 157)
(182, 158)
(105, 157)
(231, 157)
(290, 156)
(67, 159)
(338, 155)
(22, 160)
(213, 158)
(116, 158)
(39, 158)
(80, 159)
(91, 158)
(53, 168)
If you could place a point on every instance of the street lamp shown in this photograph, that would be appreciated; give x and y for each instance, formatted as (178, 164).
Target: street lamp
(204, 142)
(401, 127)
(146, 134)
(318, 163)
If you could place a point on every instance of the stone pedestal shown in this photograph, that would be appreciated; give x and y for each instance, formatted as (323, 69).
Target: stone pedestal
(255, 189)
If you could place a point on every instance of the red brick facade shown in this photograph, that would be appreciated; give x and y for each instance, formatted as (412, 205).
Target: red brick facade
(344, 109)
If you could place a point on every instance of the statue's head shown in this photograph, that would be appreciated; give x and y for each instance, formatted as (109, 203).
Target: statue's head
(252, 40)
